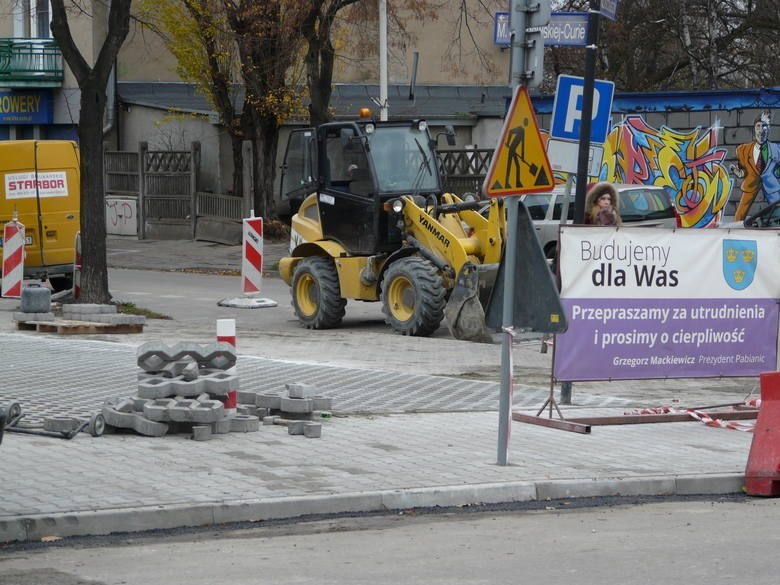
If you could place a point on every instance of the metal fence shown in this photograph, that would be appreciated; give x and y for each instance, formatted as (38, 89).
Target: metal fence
(465, 170)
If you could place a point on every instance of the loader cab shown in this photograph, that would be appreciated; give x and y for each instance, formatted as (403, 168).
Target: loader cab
(355, 167)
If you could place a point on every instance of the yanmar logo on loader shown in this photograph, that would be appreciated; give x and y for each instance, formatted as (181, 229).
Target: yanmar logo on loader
(436, 233)
(25, 185)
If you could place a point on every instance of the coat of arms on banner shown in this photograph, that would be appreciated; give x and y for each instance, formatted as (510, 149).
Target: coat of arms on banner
(740, 258)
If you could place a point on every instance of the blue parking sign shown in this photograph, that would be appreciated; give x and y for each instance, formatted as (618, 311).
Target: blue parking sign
(567, 109)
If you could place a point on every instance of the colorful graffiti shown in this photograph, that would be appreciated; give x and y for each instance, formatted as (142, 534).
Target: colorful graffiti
(758, 166)
(688, 165)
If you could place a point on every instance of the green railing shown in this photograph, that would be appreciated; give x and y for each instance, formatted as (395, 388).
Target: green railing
(30, 63)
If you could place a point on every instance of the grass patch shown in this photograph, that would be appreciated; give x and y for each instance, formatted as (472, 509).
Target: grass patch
(132, 309)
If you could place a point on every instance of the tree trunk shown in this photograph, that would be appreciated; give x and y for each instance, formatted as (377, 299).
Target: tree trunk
(94, 272)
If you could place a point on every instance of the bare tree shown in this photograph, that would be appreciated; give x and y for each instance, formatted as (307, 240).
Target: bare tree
(92, 81)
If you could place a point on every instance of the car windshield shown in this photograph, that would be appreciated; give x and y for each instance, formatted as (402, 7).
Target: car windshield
(641, 204)
(403, 159)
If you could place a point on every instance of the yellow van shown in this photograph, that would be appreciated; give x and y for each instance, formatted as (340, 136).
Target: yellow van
(40, 182)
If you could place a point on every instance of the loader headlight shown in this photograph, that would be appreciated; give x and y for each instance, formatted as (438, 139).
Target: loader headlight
(422, 125)
(398, 206)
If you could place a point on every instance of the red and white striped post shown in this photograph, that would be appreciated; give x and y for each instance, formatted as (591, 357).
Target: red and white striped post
(13, 259)
(226, 331)
(252, 260)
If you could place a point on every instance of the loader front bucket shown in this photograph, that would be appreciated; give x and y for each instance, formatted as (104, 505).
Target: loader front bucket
(465, 311)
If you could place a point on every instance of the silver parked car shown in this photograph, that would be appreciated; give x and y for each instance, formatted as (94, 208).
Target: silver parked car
(639, 205)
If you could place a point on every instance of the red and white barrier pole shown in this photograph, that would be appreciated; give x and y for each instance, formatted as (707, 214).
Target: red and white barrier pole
(226, 331)
(252, 260)
(13, 259)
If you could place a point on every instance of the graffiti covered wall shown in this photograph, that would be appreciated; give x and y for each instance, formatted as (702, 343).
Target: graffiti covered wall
(689, 165)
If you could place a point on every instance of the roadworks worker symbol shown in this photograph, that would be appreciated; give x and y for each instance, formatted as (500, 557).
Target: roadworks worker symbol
(740, 259)
(520, 163)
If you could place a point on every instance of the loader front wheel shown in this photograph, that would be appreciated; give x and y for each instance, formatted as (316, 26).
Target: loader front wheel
(316, 296)
(413, 297)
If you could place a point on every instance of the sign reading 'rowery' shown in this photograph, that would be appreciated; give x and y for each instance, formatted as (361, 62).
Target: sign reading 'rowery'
(659, 303)
(26, 185)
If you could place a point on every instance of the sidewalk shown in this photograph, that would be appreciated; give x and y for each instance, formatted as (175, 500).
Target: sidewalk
(406, 451)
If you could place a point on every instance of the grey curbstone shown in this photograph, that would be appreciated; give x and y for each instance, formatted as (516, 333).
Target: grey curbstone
(221, 427)
(300, 390)
(60, 424)
(21, 316)
(312, 430)
(269, 401)
(207, 412)
(244, 424)
(270, 420)
(88, 309)
(201, 433)
(322, 403)
(297, 405)
(296, 427)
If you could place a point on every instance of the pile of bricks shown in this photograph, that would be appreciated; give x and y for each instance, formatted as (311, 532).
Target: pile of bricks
(298, 408)
(183, 388)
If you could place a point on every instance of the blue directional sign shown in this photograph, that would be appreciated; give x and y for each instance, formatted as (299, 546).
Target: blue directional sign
(564, 29)
(567, 109)
(608, 8)
(501, 34)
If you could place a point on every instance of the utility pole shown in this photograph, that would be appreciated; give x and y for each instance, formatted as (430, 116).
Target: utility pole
(587, 110)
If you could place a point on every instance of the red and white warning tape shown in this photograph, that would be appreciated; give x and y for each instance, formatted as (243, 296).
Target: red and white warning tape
(704, 417)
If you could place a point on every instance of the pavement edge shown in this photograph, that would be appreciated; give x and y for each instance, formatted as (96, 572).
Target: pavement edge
(122, 520)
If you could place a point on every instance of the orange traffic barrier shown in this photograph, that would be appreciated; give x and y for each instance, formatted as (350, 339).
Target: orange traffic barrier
(762, 474)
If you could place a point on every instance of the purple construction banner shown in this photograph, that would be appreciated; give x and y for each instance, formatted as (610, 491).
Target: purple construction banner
(660, 303)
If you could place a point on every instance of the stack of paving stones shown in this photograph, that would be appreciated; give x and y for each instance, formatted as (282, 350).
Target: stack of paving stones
(182, 388)
(87, 313)
(297, 408)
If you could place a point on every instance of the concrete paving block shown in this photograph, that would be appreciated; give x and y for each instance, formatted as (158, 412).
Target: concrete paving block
(219, 383)
(152, 356)
(203, 397)
(182, 410)
(245, 409)
(270, 420)
(300, 390)
(246, 397)
(139, 403)
(125, 405)
(312, 430)
(187, 388)
(261, 413)
(201, 432)
(295, 427)
(221, 427)
(149, 428)
(207, 412)
(88, 308)
(21, 316)
(117, 419)
(322, 403)
(156, 412)
(297, 405)
(155, 387)
(269, 401)
(187, 368)
(244, 424)
(219, 355)
(61, 424)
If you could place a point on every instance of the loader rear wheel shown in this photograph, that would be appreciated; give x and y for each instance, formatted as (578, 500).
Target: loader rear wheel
(316, 296)
(413, 297)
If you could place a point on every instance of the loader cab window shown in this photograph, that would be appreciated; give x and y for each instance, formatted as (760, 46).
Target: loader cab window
(347, 167)
(403, 159)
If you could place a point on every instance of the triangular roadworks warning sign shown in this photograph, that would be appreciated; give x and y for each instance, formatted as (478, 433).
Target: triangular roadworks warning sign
(519, 162)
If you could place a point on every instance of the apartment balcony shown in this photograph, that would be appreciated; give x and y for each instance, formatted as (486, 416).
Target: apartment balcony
(30, 63)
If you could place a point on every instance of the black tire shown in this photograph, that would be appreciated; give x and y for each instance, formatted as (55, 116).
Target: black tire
(61, 283)
(316, 295)
(413, 297)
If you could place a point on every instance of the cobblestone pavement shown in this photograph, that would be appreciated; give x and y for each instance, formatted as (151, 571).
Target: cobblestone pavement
(398, 440)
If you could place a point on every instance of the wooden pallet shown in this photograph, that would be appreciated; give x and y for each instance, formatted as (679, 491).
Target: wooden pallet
(68, 327)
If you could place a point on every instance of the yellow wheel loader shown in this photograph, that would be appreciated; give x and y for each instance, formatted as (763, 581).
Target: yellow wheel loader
(374, 225)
